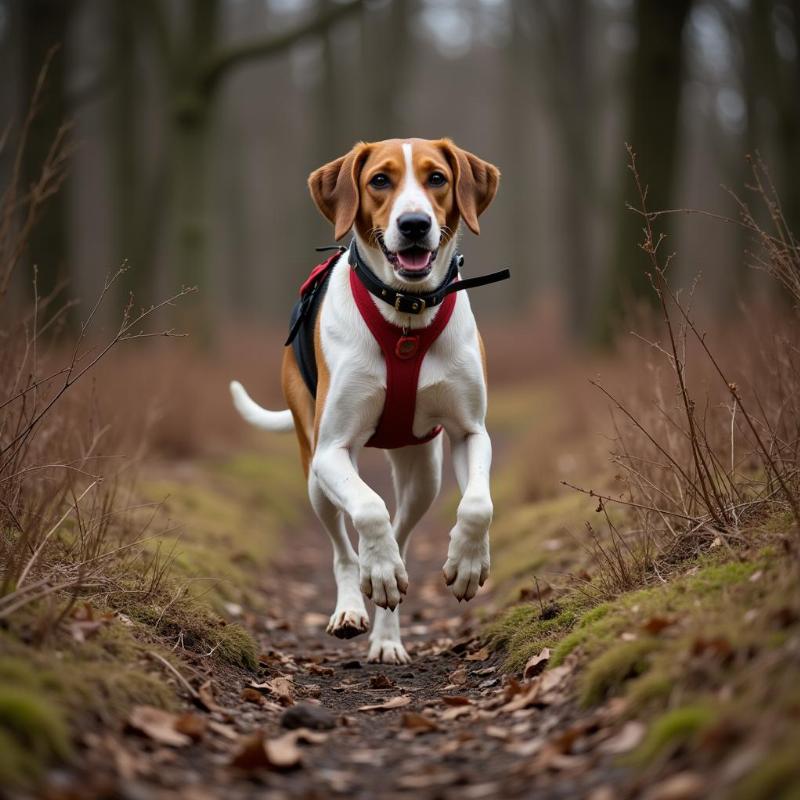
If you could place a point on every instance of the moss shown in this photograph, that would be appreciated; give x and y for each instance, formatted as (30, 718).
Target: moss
(608, 673)
(776, 778)
(34, 722)
(522, 632)
(650, 689)
(33, 732)
(179, 617)
(674, 729)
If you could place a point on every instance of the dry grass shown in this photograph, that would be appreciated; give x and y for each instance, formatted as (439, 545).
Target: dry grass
(61, 475)
(706, 440)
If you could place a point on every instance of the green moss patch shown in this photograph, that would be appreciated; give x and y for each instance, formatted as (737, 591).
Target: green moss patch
(680, 727)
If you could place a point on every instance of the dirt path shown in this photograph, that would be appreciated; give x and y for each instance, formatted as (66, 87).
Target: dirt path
(457, 729)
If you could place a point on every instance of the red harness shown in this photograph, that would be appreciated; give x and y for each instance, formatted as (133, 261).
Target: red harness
(403, 350)
(403, 353)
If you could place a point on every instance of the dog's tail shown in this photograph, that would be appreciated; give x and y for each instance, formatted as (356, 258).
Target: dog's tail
(277, 421)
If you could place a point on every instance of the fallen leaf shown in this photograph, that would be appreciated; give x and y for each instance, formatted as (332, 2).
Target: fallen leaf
(192, 725)
(459, 677)
(394, 702)
(417, 723)
(628, 737)
(478, 655)
(683, 786)
(717, 647)
(279, 753)
(657, 624)
(536, 664)
(226, 731)
(454, 712)
(158, 725)
(456, 700)
(496, 732)
(251, 695)
(381, 681)
(282, 688)
(319, 669)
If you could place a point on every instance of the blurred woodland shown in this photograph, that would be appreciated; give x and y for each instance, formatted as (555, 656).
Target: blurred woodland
(193, 125)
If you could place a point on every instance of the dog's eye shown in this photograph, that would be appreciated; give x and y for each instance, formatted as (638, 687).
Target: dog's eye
(379, 181)
(436, 179)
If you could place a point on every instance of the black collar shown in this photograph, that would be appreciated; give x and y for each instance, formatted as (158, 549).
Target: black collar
(416, 303)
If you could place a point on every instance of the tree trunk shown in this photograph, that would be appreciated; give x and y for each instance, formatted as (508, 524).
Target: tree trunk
(656, 79)
(44, 27)
(191, 120)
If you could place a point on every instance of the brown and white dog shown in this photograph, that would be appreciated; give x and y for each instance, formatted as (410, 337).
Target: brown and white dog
(405, 201)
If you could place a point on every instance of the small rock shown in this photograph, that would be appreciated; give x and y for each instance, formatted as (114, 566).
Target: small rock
(354, 664)
(305, 715)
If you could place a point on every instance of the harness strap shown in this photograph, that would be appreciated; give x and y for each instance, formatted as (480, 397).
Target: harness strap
(403, 353)
(411, 303)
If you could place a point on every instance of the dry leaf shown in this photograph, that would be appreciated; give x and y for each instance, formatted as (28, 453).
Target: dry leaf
(496, 732)
(226, 731)
(536, 664)
(158, 725)
(381, 681)
(394, 702)
(282, 688)
(418, 723)
(459, 677)
(657, 624)
(456, 700)
(454, 712)
(319, 669)
(630, 735)
(192, 725)
(683, 786)
(478, 655)
(279, 753)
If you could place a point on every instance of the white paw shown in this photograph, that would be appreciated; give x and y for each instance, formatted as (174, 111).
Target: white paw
(388, 651)
(467, 565)
(349, 623)
(383, 575)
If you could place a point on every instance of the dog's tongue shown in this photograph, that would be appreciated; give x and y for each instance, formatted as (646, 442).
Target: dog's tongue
(415, 259)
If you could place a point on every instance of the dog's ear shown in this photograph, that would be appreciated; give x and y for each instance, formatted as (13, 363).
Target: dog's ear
(334, 188)
(476, 183)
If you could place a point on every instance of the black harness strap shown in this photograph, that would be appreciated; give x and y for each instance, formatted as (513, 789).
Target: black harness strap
(412, 303)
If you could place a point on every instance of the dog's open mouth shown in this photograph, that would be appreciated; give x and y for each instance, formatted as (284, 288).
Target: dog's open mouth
(413, 263)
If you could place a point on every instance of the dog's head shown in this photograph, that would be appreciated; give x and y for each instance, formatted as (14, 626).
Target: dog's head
(405, 198)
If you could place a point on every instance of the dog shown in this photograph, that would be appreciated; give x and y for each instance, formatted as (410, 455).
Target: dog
(405, 202)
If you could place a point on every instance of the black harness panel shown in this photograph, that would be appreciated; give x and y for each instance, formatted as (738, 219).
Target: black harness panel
(303, 341)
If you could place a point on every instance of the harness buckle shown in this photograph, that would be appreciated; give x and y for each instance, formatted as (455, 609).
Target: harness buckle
(417, 304)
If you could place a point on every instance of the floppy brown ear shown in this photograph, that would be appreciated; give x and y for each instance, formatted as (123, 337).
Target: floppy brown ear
(476, 183)
(334, 188)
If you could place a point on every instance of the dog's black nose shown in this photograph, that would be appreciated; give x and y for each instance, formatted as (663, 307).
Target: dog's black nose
(414, 226)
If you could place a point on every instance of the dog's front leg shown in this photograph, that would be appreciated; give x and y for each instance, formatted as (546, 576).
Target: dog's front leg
(467, 565)
(382, 573)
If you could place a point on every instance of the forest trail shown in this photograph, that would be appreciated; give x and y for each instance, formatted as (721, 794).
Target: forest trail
(451, 726)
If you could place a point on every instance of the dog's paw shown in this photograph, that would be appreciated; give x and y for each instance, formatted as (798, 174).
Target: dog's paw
(467, 565)
(388, 651)
(383, 575)
(347, 624)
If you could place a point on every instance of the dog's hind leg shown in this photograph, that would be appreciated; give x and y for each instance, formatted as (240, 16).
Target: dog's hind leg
(350, 617)
(417, 476)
